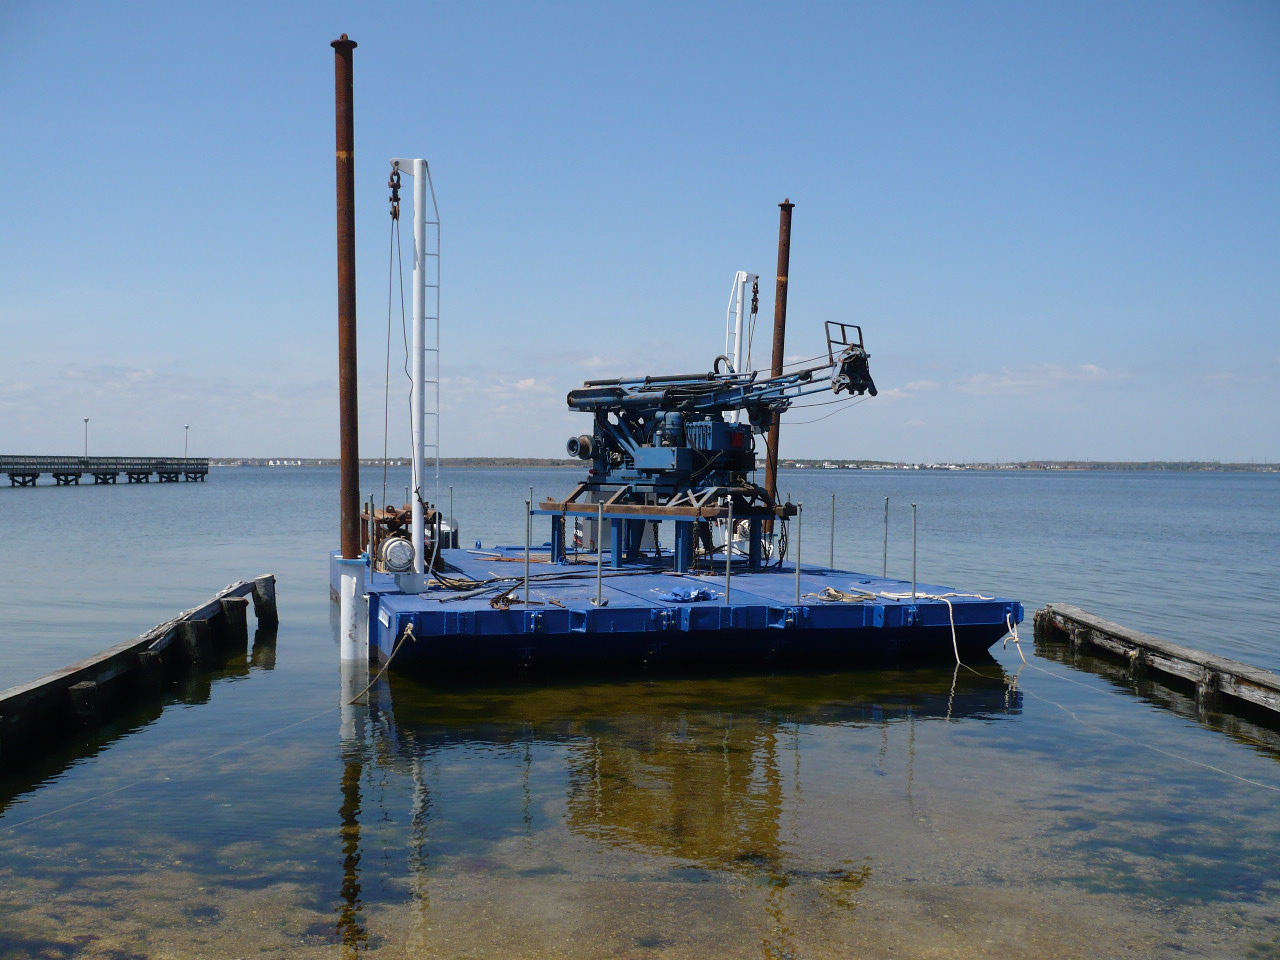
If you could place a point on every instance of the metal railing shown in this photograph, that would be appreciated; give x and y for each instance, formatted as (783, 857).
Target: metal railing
(90, 465)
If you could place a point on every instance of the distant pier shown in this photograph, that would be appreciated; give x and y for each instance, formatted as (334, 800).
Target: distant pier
(68, 471)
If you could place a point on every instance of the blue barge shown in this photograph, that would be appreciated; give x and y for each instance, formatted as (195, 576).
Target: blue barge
(724, 585)
(648, 615)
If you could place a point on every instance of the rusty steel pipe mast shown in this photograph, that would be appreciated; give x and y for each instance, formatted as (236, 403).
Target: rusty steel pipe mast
(348, 408)
(779, 339)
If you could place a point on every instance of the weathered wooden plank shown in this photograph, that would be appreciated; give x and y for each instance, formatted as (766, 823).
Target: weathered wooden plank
(90, 690)
(1212, 675)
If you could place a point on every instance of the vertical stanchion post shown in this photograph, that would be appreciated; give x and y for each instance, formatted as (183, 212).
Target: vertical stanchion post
(913, 551)
(884, 572)
(799, 533)
(453, 531)
(528, 537)
(831, 557)
(728, 554)
(348, 405)
(779, 343)
(600, 554)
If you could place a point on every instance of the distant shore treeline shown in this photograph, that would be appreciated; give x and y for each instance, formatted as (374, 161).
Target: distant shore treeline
(802, 464)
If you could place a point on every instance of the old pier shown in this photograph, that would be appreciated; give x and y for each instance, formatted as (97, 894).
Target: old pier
(68, 471)
(93, 691)
(1217, 681)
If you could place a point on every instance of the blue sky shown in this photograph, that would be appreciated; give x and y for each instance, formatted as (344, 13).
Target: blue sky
(1059, 224)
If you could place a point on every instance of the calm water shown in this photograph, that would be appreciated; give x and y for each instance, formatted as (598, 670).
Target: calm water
(995, 810)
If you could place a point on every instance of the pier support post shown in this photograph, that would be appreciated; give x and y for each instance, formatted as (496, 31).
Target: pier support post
(197, 639)
(264, 602)
(235, 614)
(84, 701)
(150, 671)
(1207, 690)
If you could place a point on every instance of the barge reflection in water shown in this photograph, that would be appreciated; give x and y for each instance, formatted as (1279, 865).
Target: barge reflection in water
(927, 813)
(802, 815)
(691, 783)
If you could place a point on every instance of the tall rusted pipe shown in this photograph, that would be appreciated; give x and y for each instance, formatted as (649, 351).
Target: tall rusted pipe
(779, 340)
(348, 409)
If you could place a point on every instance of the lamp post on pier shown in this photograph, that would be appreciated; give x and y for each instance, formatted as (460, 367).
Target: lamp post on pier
(186, 427)
(86, 436)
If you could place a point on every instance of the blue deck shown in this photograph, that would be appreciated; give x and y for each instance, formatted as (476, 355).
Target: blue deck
(636, 626)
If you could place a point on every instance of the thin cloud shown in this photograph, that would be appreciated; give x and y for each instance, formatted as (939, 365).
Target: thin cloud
(1030, 379)
(910, 391)
(110, 379)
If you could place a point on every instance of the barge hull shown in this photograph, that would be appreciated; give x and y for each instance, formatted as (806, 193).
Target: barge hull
(639, 625)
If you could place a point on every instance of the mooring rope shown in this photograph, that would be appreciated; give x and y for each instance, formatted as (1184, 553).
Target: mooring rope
(407, 634)
(1014, 684)
(832, 595)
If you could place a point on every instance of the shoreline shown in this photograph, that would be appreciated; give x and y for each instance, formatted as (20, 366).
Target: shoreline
(1144, 466)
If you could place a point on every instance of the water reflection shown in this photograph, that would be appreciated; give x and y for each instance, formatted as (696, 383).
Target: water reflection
(685, 781)
(28, 765)
(1244, 723)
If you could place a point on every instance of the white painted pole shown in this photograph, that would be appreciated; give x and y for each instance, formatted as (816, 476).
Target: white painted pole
(741, 281)
(416, 399)
(734, 347)
(353, 644)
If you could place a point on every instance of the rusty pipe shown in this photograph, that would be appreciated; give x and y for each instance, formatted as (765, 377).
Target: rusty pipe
(348, 408)
(779, 340)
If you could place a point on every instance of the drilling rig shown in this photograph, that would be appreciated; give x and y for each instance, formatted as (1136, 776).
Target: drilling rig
(662, 447)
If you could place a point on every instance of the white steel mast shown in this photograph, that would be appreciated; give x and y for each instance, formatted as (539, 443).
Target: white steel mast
(734, 347)
(424, 392)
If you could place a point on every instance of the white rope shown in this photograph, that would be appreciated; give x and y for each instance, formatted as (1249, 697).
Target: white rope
(1013, 635)
(832, 595)
(932, 596)
(951, 613)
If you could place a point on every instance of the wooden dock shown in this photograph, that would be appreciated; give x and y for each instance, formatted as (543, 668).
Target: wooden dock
(93, 691)
(68, 471)
(1216, 680)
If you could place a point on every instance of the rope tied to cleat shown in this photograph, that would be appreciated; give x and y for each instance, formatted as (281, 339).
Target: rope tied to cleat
(832, 595)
